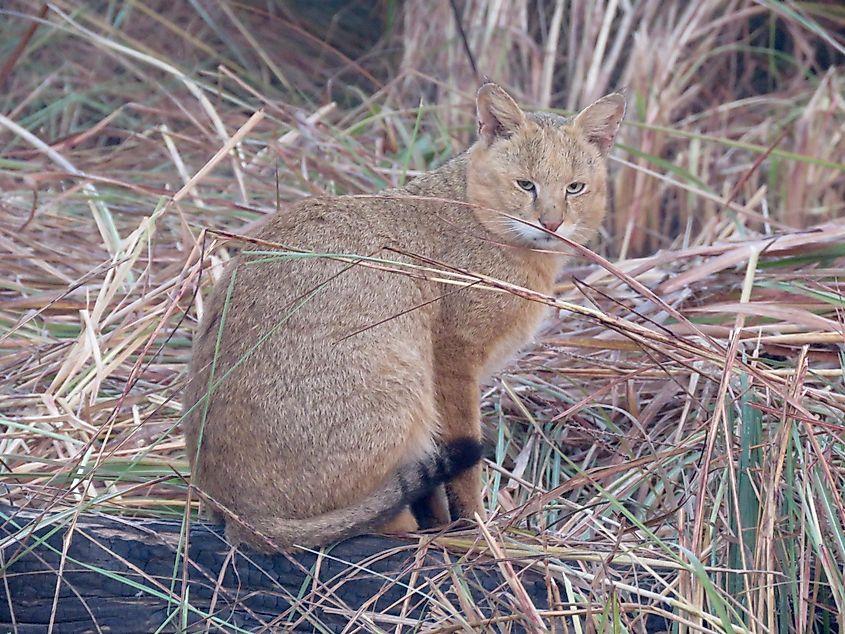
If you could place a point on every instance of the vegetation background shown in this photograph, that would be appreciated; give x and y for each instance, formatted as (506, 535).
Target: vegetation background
(677, 434)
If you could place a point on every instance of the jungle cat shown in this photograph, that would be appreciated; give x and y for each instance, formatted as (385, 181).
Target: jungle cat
(344, 395)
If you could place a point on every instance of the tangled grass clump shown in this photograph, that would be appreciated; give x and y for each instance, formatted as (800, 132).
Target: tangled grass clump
(672, 444)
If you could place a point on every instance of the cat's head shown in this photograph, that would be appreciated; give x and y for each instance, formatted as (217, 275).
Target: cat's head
(531, 173)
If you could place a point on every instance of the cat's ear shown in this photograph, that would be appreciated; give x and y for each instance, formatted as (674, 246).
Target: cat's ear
(498, 115)
(600, 121)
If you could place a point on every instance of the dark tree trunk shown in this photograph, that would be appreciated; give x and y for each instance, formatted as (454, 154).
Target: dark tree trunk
(124, 575)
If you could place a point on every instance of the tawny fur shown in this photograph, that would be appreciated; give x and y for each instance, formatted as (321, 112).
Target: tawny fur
(308, 431)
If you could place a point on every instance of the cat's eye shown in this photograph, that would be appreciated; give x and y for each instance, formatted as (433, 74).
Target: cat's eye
(575, 188)
(527, 186)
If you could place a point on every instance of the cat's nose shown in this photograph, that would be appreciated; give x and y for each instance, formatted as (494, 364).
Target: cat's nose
(549, 224)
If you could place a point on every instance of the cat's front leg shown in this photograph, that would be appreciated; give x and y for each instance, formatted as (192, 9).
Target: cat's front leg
(460, 417)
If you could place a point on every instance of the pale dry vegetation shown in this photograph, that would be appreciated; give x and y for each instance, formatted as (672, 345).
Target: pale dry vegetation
(676, 436)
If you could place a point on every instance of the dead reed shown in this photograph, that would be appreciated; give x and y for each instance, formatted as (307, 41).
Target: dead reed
(672, 444)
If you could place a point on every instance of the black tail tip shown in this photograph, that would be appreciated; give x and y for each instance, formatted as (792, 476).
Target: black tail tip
(461, 454)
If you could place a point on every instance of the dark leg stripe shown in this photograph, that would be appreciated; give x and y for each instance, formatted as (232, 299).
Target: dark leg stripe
(455, 510)
(407, 488)
(421, 508)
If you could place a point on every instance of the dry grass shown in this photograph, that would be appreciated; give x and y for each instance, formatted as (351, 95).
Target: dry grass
(683, 418)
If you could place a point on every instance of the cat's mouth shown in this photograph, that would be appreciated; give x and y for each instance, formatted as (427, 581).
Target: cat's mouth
(533, 235)
(550, 238)
(564, 231)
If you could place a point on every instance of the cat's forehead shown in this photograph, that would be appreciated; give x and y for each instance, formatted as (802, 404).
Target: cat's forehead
(549, 119)
(549, 146)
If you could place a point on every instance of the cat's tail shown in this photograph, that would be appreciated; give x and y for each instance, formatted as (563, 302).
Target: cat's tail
(411, 482)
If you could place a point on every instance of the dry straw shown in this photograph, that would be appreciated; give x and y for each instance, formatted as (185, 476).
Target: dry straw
(673, 443)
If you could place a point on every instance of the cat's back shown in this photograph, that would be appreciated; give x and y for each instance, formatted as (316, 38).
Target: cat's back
(295, 335)
(353, 224)
(314, 273)
(340, 222)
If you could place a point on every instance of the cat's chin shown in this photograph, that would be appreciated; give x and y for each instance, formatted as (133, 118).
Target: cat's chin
(540, 242)
(552, 245)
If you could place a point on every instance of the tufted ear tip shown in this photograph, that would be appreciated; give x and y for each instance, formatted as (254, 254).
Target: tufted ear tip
(498, 114)
(600, 120)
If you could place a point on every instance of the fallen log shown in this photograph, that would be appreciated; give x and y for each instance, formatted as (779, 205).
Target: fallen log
(98, 573)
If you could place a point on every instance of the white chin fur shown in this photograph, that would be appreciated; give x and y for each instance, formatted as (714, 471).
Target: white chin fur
(538, 237)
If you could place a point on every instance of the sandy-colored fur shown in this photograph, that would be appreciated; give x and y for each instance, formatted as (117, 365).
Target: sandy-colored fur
(309, 423)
